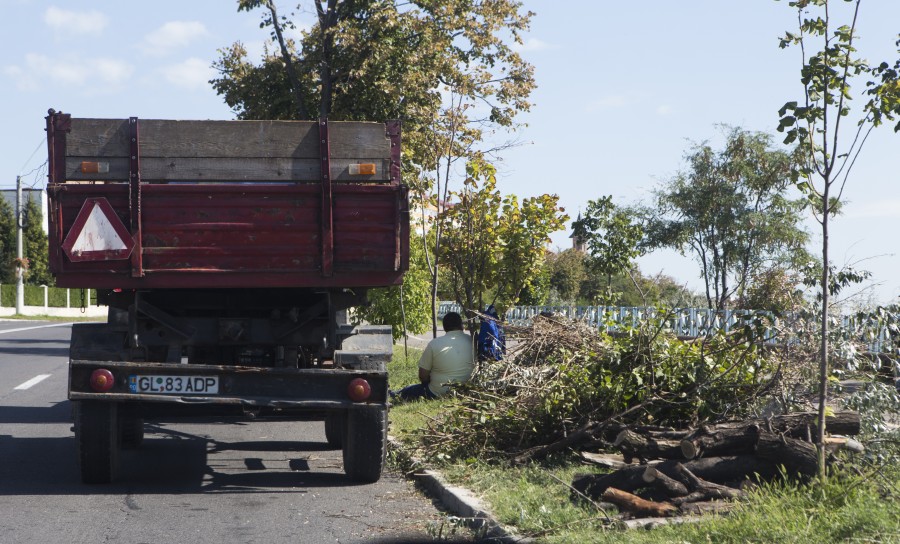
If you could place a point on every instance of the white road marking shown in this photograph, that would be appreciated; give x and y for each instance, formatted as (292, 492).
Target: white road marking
(33, 381)
(36, 327)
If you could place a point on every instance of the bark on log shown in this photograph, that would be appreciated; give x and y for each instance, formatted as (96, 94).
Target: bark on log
(739, 437)
(707, 490)
(796, 425)
(613, 461)
(672, 487)
(706, 507)
(637, 505)
(835, 443)
(713, 469)
(797, 456)
(710, 442)
(634, 444)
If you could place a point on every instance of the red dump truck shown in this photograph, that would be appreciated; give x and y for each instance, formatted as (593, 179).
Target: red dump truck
(228, 253)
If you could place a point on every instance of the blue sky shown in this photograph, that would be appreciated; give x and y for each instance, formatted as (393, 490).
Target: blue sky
(624, 88)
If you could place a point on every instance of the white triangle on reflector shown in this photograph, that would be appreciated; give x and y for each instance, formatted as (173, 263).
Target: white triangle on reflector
(97, 234)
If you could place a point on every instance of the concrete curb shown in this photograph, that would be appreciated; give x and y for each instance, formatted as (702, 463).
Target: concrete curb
(457, 501)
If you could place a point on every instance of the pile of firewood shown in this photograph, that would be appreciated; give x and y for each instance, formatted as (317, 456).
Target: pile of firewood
(664, 472)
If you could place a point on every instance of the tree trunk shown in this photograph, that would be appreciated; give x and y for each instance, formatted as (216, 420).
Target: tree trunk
(672, 487)
(719, 470)
(738, 437)
(796, 455)
(823, 362)
(633, 444)
(637, 505)
(703, 490)
(712, 441)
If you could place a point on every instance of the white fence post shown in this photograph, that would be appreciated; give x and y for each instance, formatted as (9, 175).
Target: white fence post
(46, 296)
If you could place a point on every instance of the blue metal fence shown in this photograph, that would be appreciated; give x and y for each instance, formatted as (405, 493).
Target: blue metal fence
(687, 322)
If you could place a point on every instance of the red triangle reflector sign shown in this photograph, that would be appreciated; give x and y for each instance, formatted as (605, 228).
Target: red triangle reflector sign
(97, 234)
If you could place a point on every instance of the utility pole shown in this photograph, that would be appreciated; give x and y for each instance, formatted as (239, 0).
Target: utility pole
(20, 273)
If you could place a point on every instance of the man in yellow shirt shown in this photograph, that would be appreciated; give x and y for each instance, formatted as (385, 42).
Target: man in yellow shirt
(446, 359)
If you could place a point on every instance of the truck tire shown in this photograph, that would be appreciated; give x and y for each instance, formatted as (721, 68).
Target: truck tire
(365, 443)
(131, 430)
(334, 429)
(96, 441)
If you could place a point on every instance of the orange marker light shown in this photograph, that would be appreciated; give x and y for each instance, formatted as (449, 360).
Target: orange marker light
(88, 167)
(363, 169)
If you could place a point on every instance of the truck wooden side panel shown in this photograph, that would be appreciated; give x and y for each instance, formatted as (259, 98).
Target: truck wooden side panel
(231, 204)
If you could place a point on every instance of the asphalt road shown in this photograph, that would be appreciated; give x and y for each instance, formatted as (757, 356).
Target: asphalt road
(195, 482)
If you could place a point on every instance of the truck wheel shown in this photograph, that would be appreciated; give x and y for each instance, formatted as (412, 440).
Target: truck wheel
(131, 430)
(96, 441)
(365, 443)
(334, 429)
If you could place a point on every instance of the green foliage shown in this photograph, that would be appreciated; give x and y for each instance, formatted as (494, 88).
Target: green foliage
(7, 243)
(730, 211)
(567, 273)
(612, 235)
(571, 374)
(34, 246)
(385, 304)
(494, 244)
(816, 123)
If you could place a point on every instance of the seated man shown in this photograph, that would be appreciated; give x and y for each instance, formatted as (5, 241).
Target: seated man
(448, 358)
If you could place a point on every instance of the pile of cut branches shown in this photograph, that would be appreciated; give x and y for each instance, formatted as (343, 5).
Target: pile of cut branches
(565, 384)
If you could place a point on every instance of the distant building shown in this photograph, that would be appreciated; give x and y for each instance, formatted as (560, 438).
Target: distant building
(39, 195)
(578, 243)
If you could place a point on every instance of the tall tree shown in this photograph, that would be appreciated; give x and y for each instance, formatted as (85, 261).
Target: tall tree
(612, 235)
(493, 245)
(34, 245)
(730, 211)
(818, 123)
(444, 67)
(7, 243)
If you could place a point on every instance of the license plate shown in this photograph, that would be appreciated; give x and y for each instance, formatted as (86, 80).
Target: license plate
(174, 385)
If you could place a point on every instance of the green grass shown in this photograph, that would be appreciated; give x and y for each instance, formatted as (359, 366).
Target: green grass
(535, 500)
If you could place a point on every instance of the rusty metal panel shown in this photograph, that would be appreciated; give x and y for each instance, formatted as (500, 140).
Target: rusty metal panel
(243, 236)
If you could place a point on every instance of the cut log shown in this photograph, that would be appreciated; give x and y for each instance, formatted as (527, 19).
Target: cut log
(739, 437)
(710, 442)
(835, 443)
(706, 507)
(613, 461)
(706, 489)
(797, 456)
(632, 503)
(713, 469)
(672, 487)
(634, 444)
(796, 425)
(629, 478)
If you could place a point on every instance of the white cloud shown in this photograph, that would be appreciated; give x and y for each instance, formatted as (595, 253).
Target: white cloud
(172, 36)
(532, 44)
(93, 74)
(89, 22)
(664, 109)
(191, 74)
(610, 102)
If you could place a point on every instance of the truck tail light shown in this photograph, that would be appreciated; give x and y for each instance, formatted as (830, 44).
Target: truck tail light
(359, 390)
(102, 380)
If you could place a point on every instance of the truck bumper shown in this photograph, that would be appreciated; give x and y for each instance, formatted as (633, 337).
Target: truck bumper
(264, 391)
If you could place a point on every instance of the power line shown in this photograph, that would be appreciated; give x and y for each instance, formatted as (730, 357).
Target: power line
(40, 144)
